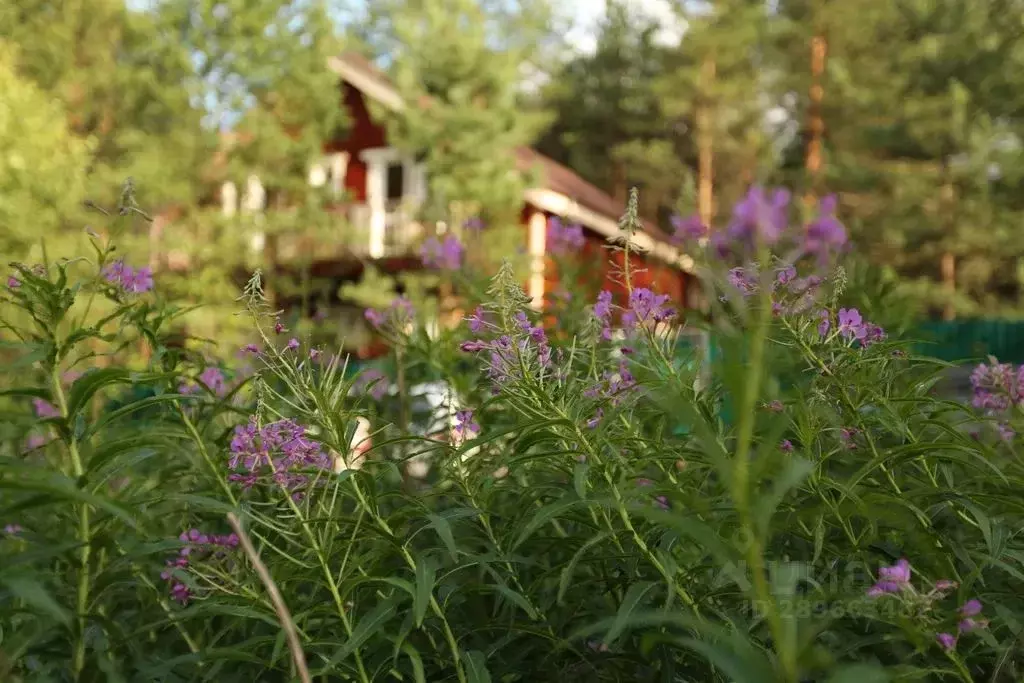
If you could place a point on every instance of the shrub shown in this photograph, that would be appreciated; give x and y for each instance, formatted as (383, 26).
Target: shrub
(572, 505)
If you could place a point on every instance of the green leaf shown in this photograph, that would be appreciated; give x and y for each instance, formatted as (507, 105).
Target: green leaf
(579, 479)
(860, 673)
(542, 517)
(417, 663)
(368, 626)
(444, 530)
(792, 475)
(60, 486)
(475, 663)
(632, 600)
(425, 576)
(33, 593)
(570, 569)
(86, 386)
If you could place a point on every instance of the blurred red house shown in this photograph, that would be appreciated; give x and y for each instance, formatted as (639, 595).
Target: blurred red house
(384, 186)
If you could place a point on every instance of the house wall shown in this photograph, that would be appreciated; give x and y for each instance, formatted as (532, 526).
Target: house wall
(363, 133)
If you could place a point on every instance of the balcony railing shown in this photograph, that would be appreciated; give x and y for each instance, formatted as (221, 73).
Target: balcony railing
(351, 233)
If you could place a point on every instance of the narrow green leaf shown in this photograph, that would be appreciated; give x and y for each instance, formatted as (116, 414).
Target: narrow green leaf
(475, 663)
(444, 530)
(425, 576)
(419, 675)
(860, 673)
(570, 569)
(542, 517)
(632, 600)
(368, 625)
(792, 475)
(86, 386)
(579, 479)
(33, 593)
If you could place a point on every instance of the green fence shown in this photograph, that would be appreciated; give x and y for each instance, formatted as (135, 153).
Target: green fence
(959, 340)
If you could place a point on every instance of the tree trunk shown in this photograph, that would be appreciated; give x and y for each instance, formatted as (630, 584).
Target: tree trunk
(705, 146)
(948, 264)
(814, 162)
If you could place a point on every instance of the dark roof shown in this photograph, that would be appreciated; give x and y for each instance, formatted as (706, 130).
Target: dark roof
(556, 177)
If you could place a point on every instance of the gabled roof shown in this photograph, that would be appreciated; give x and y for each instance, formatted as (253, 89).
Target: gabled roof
(563, 192)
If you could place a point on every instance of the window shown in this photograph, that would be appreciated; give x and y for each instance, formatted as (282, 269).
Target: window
(395, 181)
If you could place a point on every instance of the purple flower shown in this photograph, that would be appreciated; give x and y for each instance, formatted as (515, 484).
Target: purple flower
(786, 446)
(292, 344)
(474, 346)
(892, 579)
(743, 280)
(478, 321)
(122, 275)
(374, 382)
(720, 245)
(760, 218)
(375, 317)
(846, 435)
(943, 585)
(688, 229)
(213, 378)
(34, 442)
(594, 421)
(851, 325)
(1006, 432)
(279, 327)
(314, 354)
(278, 453)
(947, 641)
(442, 255)
(464, 422)
(968, 625)
(563, 239)
(971, 608)
(825, 234)
(995, 386)
(45, 409)
(603, 312)
(785, 275)
(12, 530)
(824, 324)
(13, 282)
(645, 306)
(474, 224)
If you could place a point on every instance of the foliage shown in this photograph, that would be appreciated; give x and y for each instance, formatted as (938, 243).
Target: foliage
(42, 166)
(569, 502)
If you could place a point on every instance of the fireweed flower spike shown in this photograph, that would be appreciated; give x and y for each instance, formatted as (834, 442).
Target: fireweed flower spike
(825, 235)
(464, 422)
(129, 280)
(892, 579)
(442, 254)
(760, 218)
(603, 313)
(563, 239)
(688, 229)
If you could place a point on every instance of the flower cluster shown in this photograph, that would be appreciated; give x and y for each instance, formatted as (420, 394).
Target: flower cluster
(212, 378)
(660, 501)
(997, 387)
(443, 254)
(399, 314)
(510, 354)
(895, 580)
(279, 452)
(688, 229)
(196, 544)
(614, 386)
(646, 308)
(465, 422)
(129, 280)
(563, 239)
(850, 325)
(12, 530)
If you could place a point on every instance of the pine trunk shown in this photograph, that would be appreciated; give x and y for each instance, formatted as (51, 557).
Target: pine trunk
(816, 124)
(705, 147)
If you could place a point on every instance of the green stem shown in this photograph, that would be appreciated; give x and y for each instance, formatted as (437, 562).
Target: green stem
(741, 487)
(84, 530)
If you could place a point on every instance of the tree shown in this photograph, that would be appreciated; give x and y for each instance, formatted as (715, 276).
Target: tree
(470, 120)
(42, 164)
